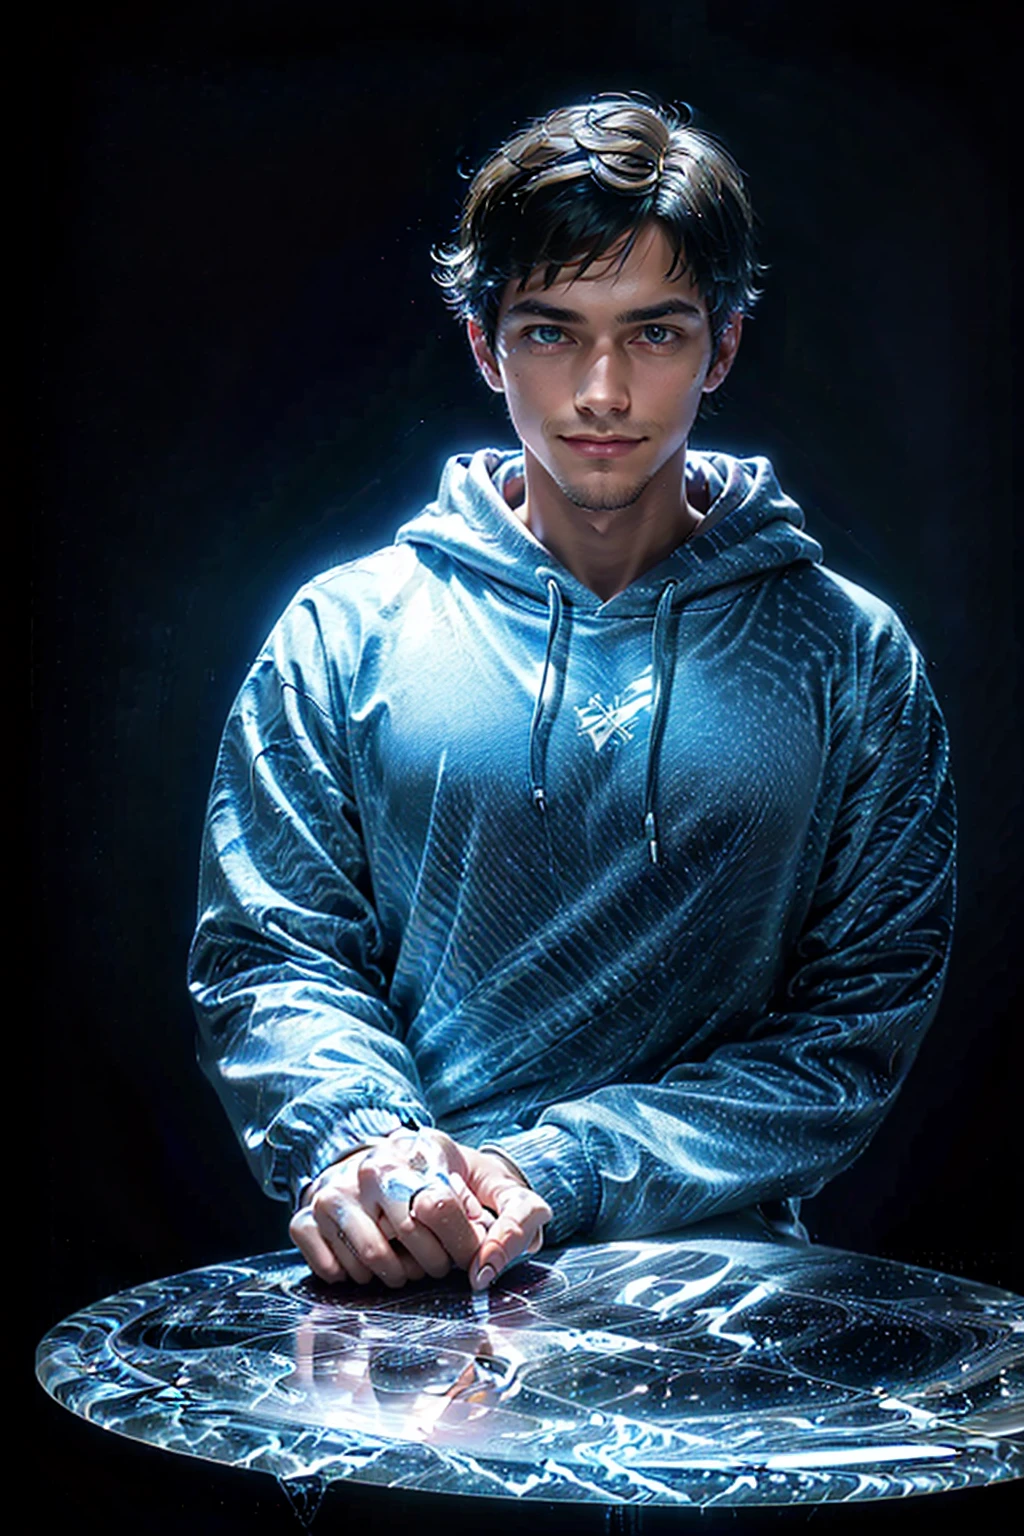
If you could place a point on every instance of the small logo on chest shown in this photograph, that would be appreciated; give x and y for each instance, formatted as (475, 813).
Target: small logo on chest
(614, 722)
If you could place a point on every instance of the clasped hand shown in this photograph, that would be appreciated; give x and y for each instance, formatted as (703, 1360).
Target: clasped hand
(413, 1205)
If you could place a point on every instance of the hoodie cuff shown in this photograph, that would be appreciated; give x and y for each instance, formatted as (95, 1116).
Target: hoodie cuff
(556, 1167)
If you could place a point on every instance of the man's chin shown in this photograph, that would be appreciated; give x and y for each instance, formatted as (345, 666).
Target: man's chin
(608, 497)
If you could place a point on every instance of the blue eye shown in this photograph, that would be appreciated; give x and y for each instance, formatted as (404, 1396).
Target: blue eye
(666, 334)
(554, 334)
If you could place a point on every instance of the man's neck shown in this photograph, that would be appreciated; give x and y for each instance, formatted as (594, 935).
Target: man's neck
(607, 550)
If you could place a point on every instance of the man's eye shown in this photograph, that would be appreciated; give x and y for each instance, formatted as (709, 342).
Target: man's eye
(658, 334)
(547, 335)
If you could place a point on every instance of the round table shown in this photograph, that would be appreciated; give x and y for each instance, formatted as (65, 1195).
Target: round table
(680, 1372)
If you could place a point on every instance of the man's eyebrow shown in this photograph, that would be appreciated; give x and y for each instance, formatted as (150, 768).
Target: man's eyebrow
(629, 317)
(658, 311)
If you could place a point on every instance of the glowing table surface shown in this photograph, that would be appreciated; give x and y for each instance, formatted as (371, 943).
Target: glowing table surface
(697, 1373)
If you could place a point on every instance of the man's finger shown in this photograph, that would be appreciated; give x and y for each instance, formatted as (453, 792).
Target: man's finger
(330, 1260)
(353, 1269)
(442, 1214)
(342, 1221)
(519, 1230)
(314, 1249)
(413, 1270)
(471, 1205)
(423, 1246)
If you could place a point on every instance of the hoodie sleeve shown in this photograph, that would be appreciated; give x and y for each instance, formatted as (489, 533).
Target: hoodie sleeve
(286, 969)
(799, 1090)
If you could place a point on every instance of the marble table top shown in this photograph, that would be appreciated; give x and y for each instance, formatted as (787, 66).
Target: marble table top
(709, 1372)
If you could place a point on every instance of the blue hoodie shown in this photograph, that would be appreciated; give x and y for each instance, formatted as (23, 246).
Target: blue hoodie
(653, 894)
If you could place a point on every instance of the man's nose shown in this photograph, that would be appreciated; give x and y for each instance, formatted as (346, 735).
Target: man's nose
(603, 387)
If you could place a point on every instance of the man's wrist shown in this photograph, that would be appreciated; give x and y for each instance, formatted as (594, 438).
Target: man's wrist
(496, 1151)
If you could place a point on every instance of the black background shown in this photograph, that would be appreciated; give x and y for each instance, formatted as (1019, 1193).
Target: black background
(245, 374)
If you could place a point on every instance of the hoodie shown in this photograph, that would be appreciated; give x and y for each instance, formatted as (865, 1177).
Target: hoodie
(654, 895)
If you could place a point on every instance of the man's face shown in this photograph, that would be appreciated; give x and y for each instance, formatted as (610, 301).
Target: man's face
(603, 374)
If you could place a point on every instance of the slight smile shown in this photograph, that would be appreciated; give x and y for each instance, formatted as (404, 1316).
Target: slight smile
(603, 447)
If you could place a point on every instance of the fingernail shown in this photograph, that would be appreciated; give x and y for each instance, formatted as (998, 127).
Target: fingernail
(485, 1276)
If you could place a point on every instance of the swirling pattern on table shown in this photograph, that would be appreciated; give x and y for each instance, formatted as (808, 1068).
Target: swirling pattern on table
(663, 1372)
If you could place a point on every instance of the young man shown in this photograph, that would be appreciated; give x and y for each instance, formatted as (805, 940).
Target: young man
(581, 865)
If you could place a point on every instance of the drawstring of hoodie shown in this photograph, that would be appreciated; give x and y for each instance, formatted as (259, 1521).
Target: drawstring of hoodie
(554, 619)
(659, 698)
(659, 701)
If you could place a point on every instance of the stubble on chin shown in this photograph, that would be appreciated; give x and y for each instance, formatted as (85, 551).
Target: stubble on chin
(599, 498)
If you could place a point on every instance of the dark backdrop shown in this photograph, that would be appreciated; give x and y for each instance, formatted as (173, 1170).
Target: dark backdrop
(246, 375)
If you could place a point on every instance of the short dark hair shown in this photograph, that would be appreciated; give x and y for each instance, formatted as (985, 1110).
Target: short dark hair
(568, 187)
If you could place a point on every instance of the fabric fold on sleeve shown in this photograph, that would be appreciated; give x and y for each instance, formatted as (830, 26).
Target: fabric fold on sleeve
(287, 970)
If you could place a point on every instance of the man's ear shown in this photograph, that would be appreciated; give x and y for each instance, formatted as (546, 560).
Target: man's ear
(728, 346)
(485, 359)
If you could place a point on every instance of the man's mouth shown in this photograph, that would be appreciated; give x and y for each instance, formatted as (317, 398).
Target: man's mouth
(605, 447)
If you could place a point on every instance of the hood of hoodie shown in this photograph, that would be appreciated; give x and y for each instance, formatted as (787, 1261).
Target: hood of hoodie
(750, 528)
